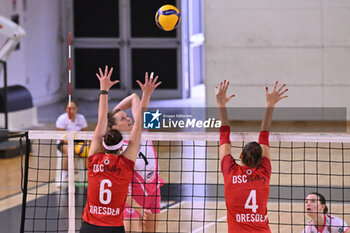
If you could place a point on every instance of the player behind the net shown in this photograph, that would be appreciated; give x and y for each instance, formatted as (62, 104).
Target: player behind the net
(109, 170)
(143, 202)
(321, 221)
(247, 185)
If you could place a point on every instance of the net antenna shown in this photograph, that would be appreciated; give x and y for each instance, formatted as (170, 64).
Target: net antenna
(71, 188)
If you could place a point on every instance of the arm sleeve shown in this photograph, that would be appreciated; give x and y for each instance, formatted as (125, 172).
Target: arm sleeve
(264, 138)
(227, 163)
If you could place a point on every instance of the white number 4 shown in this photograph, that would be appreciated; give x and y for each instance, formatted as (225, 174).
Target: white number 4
(251, 198)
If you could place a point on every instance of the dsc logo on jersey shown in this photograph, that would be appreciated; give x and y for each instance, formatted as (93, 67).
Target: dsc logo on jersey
(239, 179)
(98, 168)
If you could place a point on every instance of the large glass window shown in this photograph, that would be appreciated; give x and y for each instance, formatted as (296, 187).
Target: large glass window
(143, 19)
(162, 62)
(87, 61)
(96, 18)
(123, 34)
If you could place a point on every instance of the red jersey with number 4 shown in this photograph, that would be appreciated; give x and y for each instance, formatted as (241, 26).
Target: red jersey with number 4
(108, 181)
(246, 193)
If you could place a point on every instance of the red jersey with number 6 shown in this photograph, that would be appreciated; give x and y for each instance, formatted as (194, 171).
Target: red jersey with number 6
(108, 181)
(246, 193)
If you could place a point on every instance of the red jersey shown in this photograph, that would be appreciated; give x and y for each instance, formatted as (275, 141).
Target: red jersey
(246, 193)
(108, 181)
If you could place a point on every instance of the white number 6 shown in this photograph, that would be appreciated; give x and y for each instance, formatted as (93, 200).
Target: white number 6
(104, 191)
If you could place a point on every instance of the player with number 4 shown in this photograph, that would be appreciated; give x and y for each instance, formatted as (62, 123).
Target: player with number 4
(247, 186)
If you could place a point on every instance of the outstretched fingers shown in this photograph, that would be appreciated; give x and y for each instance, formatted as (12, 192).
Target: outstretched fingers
(101, 73)
(146, 77)
(283, 92)
(115, 82)
(157, 84)
(282, 96)
(275, 86)
(281, 88)
(155, 80)
(140, 84)
(226, 85)
(230, 97)
(106, 70)
(150, 82)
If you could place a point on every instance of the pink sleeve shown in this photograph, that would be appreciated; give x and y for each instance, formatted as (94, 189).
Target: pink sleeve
(228, 163)
(266, 166)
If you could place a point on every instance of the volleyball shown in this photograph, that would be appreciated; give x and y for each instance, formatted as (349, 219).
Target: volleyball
(168, 17)
(81, 149)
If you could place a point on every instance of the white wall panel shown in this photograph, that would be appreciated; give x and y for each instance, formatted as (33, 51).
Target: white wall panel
(303, 43)
(337, 66)
(264, 27)
(336, 3)
(258, 66)
(336, 26)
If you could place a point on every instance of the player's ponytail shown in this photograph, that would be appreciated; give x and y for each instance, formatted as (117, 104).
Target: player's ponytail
(322, 200)
(325, 210)
(252, 154)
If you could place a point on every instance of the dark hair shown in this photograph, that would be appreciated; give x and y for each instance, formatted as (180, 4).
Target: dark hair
(112, 137)
(72, 101)
(111, 120)
(322, 200)
(252, 154)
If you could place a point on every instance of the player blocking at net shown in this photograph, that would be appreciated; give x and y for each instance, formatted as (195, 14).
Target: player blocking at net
(247, 186)
(109, 170)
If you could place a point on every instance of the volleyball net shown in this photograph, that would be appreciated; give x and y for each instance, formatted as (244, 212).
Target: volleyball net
(192, 196)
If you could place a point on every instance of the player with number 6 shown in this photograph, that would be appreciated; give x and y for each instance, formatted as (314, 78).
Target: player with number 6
(109, 169)
(247, 186)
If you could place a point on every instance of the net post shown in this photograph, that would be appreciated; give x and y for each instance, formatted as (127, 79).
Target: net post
(25, 183)
(71, 187)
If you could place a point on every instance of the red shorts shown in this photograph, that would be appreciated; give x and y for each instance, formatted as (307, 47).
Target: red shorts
(151, 202)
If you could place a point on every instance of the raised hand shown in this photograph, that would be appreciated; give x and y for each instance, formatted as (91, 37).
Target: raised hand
(276, 95)
(150, 84)
(221, 97)
(105, 79)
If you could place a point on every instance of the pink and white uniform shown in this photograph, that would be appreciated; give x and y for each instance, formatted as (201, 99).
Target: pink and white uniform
(332, 224)
(145, 184)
